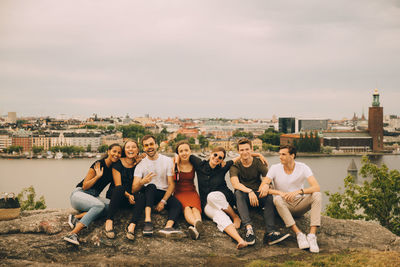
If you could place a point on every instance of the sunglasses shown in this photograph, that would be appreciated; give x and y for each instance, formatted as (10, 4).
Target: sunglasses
(219, 157)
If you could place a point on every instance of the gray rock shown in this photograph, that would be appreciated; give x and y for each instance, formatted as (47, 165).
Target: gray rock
(36, 238)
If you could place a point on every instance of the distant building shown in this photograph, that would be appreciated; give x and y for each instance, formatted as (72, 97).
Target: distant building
(12, 117)
(5, 141)
(288, 139)
(312, 125)
(24, 139)
(348, 141)
(112, 139)
(375, 123)
(287, 125)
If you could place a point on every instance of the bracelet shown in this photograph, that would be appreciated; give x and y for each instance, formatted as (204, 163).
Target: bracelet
(302, 192)
(250, 191)
(163, 201)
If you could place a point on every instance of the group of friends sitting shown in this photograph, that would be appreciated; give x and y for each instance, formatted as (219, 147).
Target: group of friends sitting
(153, 182)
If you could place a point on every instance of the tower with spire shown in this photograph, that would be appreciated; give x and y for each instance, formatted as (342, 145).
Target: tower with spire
(375, 123)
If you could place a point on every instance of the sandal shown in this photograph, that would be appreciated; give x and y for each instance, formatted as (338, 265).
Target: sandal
(130, 235)
(110, 233)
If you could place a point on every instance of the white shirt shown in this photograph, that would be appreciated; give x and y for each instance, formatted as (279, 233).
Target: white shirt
(289, 182)
(162, 167)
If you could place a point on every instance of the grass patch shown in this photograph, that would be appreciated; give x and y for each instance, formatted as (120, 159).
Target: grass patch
(350, 258)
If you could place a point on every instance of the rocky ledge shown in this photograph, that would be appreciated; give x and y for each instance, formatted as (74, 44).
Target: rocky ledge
(35, 238)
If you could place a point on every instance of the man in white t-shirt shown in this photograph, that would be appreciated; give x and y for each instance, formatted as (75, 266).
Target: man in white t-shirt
(292, 199)
(153, 175)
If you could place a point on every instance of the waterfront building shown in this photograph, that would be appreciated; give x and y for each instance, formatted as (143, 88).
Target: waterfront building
(5, 140)
(111, 139)
(288, 139)
(22, 138)
(375, 123)
(348, 141)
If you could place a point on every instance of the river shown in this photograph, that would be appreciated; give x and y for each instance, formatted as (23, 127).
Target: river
(55, 179)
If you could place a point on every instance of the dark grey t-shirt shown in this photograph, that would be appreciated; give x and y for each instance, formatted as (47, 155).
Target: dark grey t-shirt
(249, 176)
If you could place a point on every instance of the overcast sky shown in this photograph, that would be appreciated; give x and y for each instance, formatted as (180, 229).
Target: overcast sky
(199, 58)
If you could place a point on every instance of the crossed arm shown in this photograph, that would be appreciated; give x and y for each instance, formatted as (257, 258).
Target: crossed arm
(289, 196)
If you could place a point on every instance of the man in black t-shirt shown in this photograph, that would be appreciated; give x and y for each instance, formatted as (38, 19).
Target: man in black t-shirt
(248, 178)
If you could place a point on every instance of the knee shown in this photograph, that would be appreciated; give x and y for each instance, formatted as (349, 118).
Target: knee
(214, 196)
(278, 201)
(239, 194)
(269, 199)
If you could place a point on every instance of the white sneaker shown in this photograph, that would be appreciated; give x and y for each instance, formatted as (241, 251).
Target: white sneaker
(302, 241)
(312, 240)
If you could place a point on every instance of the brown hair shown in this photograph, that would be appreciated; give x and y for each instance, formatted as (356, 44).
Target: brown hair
(292, 149)
(123, 155)
(219, 149)
(182, 142)
(243, 141)
(148, 136)
(109, 148)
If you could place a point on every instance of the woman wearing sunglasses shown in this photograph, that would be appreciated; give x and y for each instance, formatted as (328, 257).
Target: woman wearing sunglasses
(216, 198)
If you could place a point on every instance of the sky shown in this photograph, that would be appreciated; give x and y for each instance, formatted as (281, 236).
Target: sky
(205, 58)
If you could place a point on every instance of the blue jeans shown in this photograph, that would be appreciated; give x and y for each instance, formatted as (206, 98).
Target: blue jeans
(84, 201)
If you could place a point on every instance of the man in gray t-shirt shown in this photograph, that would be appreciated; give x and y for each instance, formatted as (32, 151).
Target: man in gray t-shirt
(248, 178)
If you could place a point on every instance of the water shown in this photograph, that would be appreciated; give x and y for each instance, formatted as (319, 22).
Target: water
(55, 179)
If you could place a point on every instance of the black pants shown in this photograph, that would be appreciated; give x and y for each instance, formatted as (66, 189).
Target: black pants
(118, 201)
(265, 203)
(153, 197)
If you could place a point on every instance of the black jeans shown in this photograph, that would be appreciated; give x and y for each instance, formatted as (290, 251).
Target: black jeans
(265, 203)
(118, 200)
(153, 197)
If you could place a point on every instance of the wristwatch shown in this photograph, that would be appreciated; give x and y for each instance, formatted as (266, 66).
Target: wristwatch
(302, 192)
(163, 201)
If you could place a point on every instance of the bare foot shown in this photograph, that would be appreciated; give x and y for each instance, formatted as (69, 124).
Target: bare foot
(236, 222)
(241, 244)
(109, 225)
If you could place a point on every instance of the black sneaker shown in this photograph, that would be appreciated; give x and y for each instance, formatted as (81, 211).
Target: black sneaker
(72, 220)
(72, 238)
(274, 237)
(148, 229)
(171, 232)
(250, 237)
(194, 234)
(199, 227)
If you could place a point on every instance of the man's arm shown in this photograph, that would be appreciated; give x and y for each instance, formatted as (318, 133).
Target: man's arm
(263, 189)
(171, 188)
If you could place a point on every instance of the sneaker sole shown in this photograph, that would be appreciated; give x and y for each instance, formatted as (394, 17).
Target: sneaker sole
(251, 243)
(147, 233)
(70, 222)
(193, 234)
(279, 240)
(199, 227)
(71, 241)
(175, 235)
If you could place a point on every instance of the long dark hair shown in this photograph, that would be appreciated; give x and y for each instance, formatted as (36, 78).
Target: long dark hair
(109, 148)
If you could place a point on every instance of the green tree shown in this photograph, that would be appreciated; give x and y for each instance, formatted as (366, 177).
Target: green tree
(89, 148)
(133, 131)
(378, 198)
(162, 136)
(37, 149)
(192, 140)
(270, 136)
(14, 148)
(239, 133)
(203, 141)
(180, 137)
(102, 148)
(27, 200)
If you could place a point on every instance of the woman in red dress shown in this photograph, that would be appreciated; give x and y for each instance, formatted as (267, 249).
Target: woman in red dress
(185, 191)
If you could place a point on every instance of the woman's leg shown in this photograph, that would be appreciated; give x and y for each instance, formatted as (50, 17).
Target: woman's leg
(86, 202)
(115, 203)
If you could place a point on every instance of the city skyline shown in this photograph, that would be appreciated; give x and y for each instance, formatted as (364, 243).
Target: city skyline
(207, 59)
